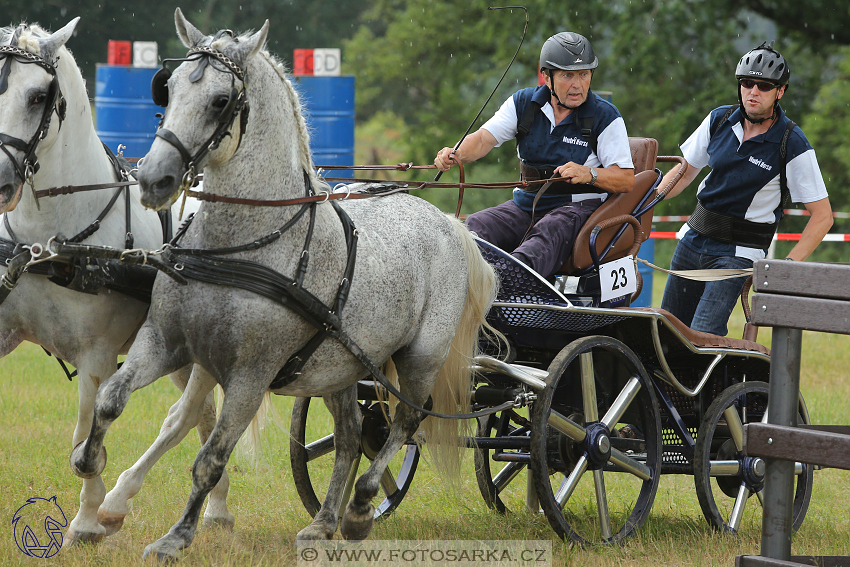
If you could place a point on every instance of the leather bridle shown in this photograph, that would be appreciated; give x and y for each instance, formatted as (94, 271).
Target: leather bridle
(237, 104)
(29, 166)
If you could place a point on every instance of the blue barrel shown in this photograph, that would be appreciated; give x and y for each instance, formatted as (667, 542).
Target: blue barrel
(647, 252)
(124, 110)
(329, 109)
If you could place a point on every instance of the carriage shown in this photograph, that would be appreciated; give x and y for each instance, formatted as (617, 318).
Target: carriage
(585, 390)
(617, 393)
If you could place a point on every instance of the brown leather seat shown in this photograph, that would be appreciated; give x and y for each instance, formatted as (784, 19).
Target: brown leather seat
(644, 153)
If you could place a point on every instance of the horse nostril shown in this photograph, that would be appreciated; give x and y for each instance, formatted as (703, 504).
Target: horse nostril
(7, 191)
(164, 185)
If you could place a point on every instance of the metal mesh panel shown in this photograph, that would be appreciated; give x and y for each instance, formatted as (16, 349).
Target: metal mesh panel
(520, 284)
(517, 282)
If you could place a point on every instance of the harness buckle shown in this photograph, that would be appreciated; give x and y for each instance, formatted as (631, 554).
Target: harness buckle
(41, 253)
(29, 173)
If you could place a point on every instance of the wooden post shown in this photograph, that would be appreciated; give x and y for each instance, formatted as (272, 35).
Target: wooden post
(779, 475)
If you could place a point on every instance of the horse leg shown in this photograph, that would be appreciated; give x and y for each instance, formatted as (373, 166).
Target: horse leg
(182, 417)
(359, 514)
(148, 359)
(216, 513)
(347, 418)
(241, 402)
(91, 372)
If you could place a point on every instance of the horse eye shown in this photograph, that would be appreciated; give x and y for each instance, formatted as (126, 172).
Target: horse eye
(38, 98)
(220, 102)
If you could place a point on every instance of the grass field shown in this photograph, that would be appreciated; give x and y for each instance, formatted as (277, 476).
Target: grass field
(37, 413)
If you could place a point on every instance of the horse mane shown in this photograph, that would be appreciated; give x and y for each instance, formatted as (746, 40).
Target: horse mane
(297, 109)
(221, 42)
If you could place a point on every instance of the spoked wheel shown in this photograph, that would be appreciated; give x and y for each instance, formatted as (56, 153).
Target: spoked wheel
(312, 455)
(596, 442)
(725, 479)
(499, 470)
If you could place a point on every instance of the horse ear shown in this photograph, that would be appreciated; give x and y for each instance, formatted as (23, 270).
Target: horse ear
(188, 34)
(48, 46)
(246, 49)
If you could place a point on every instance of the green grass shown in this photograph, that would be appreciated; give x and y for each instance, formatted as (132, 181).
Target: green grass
(37, 414)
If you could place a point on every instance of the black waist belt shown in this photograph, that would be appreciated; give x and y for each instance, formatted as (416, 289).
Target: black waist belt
(731, 230)
(532, 173)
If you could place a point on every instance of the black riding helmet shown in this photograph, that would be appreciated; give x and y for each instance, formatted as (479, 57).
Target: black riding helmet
(766, 64)
(568, 51)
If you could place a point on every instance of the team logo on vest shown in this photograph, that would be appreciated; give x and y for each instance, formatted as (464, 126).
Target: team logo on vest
(760, 163)
(575, 141)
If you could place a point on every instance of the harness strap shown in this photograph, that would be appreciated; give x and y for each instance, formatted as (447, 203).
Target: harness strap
(292, 368)
(783, 152)
(169, 137)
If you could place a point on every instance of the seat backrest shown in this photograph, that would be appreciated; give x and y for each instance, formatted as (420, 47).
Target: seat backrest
(644, 152)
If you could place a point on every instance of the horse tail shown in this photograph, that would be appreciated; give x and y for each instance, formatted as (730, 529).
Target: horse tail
(453, 387)
(250, 446)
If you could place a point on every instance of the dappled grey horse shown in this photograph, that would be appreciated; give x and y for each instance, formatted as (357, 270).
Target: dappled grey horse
(49, 141)
(298, 299)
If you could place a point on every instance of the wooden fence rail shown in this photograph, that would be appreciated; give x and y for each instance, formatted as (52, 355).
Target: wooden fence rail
(792, 297)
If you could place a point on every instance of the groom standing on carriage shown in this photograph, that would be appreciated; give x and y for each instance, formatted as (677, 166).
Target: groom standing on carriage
(563, 130)
(759, 159)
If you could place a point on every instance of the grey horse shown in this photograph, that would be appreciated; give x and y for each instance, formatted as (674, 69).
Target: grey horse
(384, 278)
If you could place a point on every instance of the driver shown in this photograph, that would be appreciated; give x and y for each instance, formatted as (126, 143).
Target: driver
(563, 129)
(740, 201)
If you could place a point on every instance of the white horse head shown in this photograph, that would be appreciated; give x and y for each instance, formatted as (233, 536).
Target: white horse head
(35, 86)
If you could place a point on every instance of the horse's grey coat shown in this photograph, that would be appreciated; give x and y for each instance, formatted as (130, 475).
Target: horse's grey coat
(414, 279)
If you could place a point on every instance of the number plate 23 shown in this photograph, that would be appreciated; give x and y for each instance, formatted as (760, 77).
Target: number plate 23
(617, 278)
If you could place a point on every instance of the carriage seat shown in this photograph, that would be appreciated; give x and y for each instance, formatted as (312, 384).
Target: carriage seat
(700, 339)
(644, 152)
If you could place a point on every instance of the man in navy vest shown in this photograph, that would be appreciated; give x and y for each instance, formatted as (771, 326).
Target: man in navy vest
(757, 156)
(562, 129)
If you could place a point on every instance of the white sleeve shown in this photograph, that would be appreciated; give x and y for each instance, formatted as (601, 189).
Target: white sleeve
(805, 181)
(613, 146)
(503, 124)
(695, 148)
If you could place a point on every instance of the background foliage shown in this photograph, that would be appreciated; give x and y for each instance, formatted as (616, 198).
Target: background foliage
(424, 68)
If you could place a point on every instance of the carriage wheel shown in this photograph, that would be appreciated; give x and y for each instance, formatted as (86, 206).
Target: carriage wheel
(596, 438)
(312, 456)
(725, 479)
(500, 481)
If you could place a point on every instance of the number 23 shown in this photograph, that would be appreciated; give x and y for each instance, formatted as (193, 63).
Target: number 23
(620, 280)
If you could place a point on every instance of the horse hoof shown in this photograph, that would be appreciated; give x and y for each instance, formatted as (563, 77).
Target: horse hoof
(314, 533)
(73, 537)
(112, 522)
(220, 523)
(83, 469)
(356, 526)
(161, 555)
